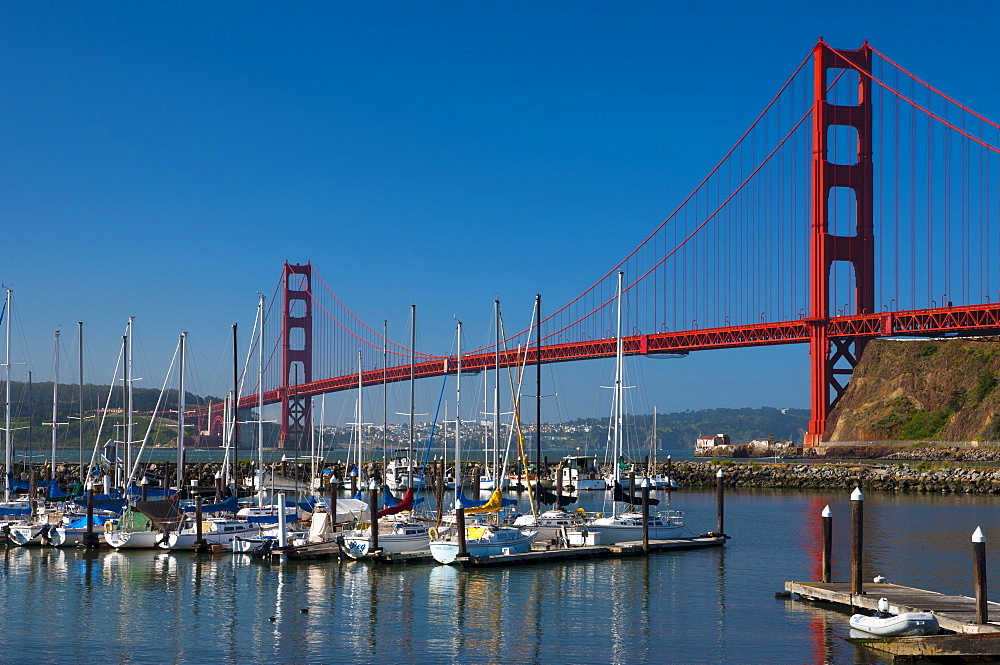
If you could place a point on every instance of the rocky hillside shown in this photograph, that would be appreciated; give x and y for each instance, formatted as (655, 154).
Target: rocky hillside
(922, 391)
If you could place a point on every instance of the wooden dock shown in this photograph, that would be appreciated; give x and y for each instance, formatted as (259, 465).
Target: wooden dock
(543, 554)
(954, 613)
(595, 552)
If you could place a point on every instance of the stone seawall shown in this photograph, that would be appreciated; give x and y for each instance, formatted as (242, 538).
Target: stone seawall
(926, 469)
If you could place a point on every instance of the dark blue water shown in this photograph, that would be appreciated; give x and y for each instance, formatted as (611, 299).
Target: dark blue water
(703, 606)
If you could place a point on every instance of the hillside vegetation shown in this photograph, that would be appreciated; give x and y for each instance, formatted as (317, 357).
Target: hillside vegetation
(921, 391)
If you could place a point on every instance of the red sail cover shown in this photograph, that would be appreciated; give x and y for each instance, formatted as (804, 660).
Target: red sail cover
(405, 504)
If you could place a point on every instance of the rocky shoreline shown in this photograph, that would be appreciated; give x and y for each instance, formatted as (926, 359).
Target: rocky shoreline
(973, 470)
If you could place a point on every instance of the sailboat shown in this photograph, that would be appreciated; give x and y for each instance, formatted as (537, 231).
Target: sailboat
(626, 526)
(481, 539)
(393, 536)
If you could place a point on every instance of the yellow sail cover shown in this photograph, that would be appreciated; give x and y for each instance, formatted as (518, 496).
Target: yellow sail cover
(490, 506)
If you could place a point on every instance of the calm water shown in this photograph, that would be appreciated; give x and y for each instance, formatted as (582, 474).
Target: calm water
(705, 606)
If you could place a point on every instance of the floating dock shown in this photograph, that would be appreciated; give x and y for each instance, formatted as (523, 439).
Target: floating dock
(549, 555)
(954, 613)
(964, 640)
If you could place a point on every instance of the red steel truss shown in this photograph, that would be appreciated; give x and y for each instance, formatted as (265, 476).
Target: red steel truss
(967, 321)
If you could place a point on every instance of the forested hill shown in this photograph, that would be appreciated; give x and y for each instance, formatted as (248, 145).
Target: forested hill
(678, 431)
(35, 400)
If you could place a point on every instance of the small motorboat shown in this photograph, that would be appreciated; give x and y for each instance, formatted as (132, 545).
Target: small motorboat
(906, 624)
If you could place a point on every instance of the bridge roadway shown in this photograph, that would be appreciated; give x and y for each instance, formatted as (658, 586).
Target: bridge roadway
(965, 321)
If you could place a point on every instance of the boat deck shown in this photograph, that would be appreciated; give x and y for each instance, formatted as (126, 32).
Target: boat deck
(954, 613)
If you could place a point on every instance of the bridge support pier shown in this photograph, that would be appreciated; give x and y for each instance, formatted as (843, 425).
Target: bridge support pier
(832, 362)
(296, 352)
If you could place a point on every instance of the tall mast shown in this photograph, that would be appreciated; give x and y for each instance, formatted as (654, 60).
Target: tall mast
(385, 390)
(181, 403)
(360, 413)
(80, 395)
(619, 348)
(128, 383)
(8, 445)
(413, 344)
(538, 390)
(260, 399)
(497, 473)
(55, 401)
(125, 407)
(236, 405)
(458, 418)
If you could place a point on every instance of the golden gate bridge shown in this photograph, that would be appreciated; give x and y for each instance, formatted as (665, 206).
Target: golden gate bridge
(862, 202)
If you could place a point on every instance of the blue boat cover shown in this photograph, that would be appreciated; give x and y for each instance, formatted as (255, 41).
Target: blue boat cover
(469, 503)
(271, 519)
(15, 512)
(82, 522)
(230, 505)
(392, 501)
(135, 492)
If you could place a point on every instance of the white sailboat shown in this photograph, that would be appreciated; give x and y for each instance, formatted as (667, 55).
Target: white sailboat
(625, 526)
(480, 539)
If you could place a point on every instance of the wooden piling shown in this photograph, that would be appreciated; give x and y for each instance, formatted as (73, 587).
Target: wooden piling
(334, 487)
(827, 544)
(979, 560)
(90, 540)
(440, 490)
(475, 482)
(460, 524)
(373, 507)
(199, 540)
(720, 503)
(559, 485)
(670, 473)
(645, 518)
(857, 539)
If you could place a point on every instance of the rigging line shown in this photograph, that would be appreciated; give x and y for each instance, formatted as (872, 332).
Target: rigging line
(354, 316)
(690, 196)
(926, 110)
(929, 86)
(358, 337)
(701, 225)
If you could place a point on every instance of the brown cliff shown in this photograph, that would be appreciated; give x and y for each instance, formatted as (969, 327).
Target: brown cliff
(921, 391)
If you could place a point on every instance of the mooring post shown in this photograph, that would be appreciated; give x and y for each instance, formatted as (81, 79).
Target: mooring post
(218, 486)
(334, 484)
(439, 477)
(90, 538)
(857, 539)
(199, 540)
(979, 558)
(373, 507)
(827, 544)
(720, 503)
(282, 535)
(354, 484)
(670, 473)
(460, 525)
(475, 482)
(559, 485)
(144, 484)
(645, 516)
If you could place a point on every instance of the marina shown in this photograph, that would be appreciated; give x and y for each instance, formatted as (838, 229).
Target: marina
(403, 607)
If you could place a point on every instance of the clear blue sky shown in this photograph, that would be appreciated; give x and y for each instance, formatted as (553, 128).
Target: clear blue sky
(164, 159)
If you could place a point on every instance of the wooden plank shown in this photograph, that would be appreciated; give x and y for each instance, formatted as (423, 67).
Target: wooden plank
(956, 613)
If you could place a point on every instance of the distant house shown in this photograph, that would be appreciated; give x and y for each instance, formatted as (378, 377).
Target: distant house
(704, 443)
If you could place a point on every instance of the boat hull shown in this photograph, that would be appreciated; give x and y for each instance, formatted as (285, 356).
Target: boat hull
(73, 536)
(359, 546)
(446, 551)
(30, 534)
(133, 540)
(907, 624)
